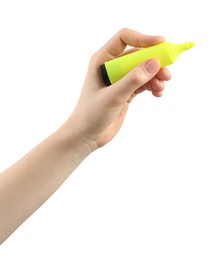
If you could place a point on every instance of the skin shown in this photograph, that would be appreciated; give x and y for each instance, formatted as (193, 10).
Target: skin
(95, 121)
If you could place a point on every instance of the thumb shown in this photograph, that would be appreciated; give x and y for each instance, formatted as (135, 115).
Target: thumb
(136, 78)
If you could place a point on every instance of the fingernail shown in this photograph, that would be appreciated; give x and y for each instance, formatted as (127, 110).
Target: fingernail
(152, 66)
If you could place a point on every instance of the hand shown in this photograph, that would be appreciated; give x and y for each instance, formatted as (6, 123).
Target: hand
(98, 116)
(101, 110)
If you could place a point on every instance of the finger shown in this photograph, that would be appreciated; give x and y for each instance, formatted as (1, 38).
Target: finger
(164, 74)
(156, 85)
(157, 93)
(124, 37)
(137, 77)
(141, 89)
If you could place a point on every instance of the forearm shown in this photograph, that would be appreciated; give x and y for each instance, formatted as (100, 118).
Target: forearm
(26, 185)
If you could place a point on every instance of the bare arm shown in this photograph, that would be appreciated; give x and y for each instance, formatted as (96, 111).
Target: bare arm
(97, 118)
(27, 184)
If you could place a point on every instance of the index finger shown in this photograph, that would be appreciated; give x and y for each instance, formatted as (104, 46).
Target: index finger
(117, 44)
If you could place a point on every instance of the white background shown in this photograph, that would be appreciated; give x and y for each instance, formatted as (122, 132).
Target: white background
(156, 191)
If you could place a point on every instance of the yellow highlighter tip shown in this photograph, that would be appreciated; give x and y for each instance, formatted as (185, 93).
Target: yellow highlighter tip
(191, 44)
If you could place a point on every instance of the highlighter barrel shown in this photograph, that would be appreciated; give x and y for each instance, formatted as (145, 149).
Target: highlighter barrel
(166, 52)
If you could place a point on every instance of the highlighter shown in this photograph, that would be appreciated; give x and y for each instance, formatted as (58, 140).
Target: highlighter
(166, 52)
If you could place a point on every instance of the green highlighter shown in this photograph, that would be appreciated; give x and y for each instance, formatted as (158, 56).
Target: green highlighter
(166, 52)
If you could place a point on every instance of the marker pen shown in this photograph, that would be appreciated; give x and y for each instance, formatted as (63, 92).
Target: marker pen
(166, 52)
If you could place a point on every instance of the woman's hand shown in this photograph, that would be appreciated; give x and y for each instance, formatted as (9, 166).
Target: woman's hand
(101, 110)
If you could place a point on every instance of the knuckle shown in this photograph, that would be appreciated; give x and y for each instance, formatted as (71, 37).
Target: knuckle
(94, 56)
(123, 30)
(96, 59)
(137, 77)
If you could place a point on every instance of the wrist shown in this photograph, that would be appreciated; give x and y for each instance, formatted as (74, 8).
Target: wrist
(75, 140)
